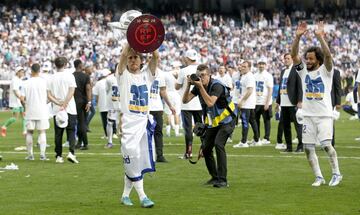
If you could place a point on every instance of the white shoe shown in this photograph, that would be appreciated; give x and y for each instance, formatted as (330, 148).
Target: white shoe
(318, 181)
(258, 143)
(115, 136)
(295, 141)
(72, 158)
(103, 137)
(241, 145)
(66, 144)
(280, 146)
(354, 117)
(44, 158)
(335, 180)
(30, 158)
(179, 135)
(229, 140)
(59, 159)
(357, 139)
(265, 142)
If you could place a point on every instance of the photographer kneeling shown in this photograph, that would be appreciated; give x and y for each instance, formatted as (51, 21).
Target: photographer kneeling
(219, 115)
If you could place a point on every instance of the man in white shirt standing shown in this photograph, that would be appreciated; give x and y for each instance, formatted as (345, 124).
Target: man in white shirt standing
(264, 88)
(37, 116)
(191, 110)
(158, 92)
(17, 109)
(316, 74)
(61, 92)
(246, 103)
(224, 77)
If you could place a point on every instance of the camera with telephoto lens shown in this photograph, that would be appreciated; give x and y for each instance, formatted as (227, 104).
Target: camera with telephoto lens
(194, 77)
(199, 129)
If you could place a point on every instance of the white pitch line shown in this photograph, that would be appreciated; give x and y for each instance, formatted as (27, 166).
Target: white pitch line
(302, 156)
(268, 145)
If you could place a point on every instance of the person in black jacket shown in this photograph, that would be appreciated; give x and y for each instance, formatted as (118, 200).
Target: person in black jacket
(289, 98)
(82, 98)
(336, 96)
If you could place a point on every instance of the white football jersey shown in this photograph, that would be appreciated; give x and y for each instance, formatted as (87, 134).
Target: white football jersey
(134, 91)
(113, 93)
(235, 92)
(284, 97)
(316, 87)
(156, 103)
(17, 85)
(264, 80)
(194, 104)
(247, 81)
(35, 92)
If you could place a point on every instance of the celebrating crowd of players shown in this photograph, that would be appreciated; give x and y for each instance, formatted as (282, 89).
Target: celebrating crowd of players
(133, 89)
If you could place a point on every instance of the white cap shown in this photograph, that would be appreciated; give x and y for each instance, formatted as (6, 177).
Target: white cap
(19, 68)
(299, 116)
(61, 119)
(263, 60)
(191, 54)
(46, 66)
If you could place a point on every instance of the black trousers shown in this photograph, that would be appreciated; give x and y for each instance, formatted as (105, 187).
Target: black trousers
(70, 133)
(217, 137)
(158, 134)
(104, 122)
(288, 115)
(266, 114)
(248, 117)
(81, 123)
(186, 116)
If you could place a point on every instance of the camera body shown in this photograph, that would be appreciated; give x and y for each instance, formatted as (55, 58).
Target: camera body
(194, 77)
(199, 129)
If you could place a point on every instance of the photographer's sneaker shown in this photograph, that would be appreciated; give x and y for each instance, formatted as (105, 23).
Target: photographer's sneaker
(72, 158)
(335, 180)
(241, 145)
(59, 159)
(280, 146)
(318, 181)
(30, 158)
(147, 203)
(126, 201)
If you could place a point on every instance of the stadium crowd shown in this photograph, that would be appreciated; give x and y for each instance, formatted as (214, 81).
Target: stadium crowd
(33, 35)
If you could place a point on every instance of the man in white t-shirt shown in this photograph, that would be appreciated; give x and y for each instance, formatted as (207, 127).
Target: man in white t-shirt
(158, 92)
(113, 103)
(37, 116)
(99, 91)
(247, 103)
(61, 92)
(16, 88)
(264, 87)
(191, 110)
(316, 74)
(224, 77)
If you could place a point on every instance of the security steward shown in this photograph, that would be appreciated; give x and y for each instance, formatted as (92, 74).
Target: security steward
(219, 114)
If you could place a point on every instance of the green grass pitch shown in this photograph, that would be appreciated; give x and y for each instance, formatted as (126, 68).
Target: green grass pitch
(262, 181)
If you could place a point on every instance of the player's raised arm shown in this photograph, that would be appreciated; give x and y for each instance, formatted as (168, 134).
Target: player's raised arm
(154, 62)
(123, 59)
(320, 33)
(301, 30)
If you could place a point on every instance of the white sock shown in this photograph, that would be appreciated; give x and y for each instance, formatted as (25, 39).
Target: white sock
(139, 187)
(333, 159)
(177, 130)
(29, 143)
(128, 185)
(313, 160)
(168, 129)
(109, 130)
(42, 143)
